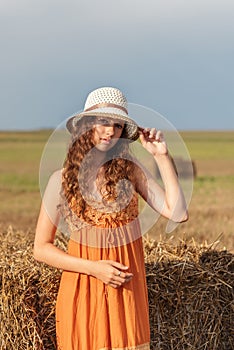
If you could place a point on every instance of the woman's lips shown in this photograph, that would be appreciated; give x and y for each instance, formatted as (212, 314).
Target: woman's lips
(105, 141)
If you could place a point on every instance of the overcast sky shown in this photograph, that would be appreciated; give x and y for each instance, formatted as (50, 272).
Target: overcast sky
(173, 56)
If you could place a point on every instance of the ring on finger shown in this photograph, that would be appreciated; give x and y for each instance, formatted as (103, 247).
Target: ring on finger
(119, 273)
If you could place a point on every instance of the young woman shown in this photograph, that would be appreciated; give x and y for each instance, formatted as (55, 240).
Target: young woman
(102, 299)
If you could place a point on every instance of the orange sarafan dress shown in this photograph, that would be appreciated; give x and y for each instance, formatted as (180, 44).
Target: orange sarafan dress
(91, 315)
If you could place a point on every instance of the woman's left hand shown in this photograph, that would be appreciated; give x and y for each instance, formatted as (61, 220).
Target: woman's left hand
(153, 141)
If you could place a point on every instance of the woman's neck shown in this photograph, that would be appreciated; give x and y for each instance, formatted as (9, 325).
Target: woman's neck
(98, 157)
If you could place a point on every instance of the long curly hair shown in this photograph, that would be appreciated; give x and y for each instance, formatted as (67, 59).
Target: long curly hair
(118, 167)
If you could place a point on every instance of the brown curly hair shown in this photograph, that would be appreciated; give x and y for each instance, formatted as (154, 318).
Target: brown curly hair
(119, 166)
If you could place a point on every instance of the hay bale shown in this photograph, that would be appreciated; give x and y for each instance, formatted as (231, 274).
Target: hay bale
(186, 168)
(27, 295)
(190, 296)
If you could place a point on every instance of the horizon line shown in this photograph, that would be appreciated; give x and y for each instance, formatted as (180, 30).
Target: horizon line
(52, 128)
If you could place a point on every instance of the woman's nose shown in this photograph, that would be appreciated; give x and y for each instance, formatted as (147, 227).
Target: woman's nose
(110, 130)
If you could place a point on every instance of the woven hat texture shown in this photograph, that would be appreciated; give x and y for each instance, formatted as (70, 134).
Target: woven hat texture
(107, 102)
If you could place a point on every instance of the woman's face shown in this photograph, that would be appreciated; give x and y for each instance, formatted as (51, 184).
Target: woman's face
(107, 133)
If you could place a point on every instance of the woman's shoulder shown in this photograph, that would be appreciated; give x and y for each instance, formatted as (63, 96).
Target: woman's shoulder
(55, 181)
(51, 196)
(56, 176)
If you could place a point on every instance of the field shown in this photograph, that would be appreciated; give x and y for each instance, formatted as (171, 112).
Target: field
(211, 208)
(189, 271)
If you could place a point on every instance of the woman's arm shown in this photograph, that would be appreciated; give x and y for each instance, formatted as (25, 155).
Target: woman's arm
(45, 250)
(170, 201)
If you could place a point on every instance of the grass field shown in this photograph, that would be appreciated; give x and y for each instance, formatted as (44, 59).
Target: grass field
(211, 208)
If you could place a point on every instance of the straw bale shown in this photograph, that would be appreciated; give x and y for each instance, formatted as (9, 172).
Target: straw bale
(28, 293)
(186, 169)
(190, 290)
(190, 296)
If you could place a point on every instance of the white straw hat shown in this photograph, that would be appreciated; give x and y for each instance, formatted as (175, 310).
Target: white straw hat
(107, 102)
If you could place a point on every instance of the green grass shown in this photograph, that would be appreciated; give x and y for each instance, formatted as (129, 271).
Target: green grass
(25, 136)
(18, 182)
(210, 145)
(20, 154)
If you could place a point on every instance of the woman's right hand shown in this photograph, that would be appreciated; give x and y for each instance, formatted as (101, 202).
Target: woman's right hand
(111, 272)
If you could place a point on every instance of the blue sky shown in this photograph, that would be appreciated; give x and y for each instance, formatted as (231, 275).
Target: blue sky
(173, 56)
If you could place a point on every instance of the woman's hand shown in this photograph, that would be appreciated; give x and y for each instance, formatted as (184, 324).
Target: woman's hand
(111, 272)
(153, 141)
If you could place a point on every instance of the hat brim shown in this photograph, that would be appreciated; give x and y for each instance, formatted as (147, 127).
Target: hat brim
(131, 128)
